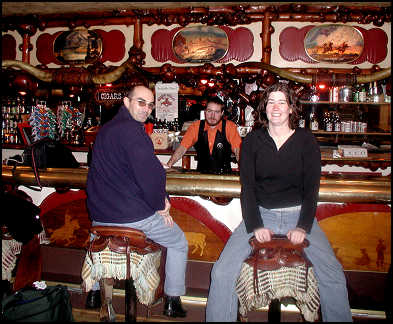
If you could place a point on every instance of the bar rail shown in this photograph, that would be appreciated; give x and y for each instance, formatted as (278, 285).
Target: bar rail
(334, 188)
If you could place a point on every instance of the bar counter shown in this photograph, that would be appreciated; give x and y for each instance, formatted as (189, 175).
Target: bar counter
(334, 188)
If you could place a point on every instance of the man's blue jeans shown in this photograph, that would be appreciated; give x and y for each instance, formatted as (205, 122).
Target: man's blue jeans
(222, 303)
(177, 250)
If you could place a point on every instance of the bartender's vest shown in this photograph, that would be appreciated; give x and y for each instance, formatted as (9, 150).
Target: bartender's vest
(219, 162)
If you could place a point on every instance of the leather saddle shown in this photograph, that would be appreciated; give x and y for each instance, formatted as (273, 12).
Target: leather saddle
(121, 240)
(278, 252)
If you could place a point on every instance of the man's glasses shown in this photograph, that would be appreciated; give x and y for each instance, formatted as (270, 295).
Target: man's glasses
(143, 103)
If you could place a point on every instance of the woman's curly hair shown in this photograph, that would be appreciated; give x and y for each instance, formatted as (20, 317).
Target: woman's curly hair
(260, 119)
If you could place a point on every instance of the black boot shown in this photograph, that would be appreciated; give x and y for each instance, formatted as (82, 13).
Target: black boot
(173, 307)
(93, 299)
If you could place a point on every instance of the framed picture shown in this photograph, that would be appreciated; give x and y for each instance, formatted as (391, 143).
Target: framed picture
(200, 44)
(334, 43)
(25, 131)
(78, 46)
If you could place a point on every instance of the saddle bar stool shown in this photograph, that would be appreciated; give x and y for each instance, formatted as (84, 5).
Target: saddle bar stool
(124, 240)
(277, 272)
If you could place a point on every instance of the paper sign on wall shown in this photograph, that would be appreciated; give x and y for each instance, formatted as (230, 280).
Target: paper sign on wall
(167, 101)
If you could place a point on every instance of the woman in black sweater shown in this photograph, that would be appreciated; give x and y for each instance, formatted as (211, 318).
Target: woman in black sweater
(280, 169)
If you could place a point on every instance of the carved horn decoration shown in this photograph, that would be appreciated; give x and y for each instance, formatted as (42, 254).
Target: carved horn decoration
(84, 79)
(111, 76)
(39, 74)
(251, 67)
(380, 75)
(329, 78)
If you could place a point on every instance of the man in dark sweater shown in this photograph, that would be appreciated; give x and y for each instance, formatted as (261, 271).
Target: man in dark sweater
(126, 187)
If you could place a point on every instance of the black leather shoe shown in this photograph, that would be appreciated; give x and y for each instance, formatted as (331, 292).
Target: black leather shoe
(93, 299)
(173, 307)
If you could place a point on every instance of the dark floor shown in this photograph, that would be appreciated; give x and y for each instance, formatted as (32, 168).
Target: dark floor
(196, 311)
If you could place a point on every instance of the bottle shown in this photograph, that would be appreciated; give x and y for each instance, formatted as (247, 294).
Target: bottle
(314, 124)
(336, 122)
(362, 93)
(370, 93)
(375, 92)
(355, 93)
(302, 119)
(327, 121)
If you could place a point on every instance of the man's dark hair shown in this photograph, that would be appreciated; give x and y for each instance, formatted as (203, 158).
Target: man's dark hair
(260, 118)
(132, 89)
(217, 101)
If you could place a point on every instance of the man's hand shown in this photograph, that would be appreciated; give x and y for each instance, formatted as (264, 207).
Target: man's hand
(297, 235)
(263, 234)
(165, 213)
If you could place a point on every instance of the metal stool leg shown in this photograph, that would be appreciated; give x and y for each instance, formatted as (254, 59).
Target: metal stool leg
(274, 312)
(130, 300)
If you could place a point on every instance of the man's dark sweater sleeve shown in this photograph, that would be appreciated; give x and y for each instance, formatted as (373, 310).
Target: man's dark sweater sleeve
(311, 182)
(249, 207)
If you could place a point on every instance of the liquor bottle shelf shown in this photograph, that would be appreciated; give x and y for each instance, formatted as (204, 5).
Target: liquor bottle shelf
(344, 103)
(374, 133)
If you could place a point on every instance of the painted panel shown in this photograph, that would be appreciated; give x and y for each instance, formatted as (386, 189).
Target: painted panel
(66, 222)
(200, 44)
(292, 45)
(240, 46)
(112, 49)
(360, 234)
(65, 219)
(334, 43)
(206, 236)
(78, 46)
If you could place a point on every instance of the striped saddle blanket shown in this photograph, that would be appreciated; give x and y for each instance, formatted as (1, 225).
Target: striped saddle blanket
(108, 264)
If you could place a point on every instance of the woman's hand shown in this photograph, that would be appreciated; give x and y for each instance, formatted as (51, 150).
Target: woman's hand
(263, 234)
(165, 213)
(297, 235)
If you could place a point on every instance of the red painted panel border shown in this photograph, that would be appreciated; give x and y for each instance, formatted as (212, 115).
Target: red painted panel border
(330, 210)
(56, 199)
(8, 47)
(200, 213)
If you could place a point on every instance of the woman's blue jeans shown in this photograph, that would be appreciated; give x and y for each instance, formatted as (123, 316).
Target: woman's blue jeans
(222, 303)
(176, 243)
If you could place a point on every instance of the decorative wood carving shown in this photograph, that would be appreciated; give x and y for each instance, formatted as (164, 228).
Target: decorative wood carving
(292, 45)
(8, 47)
(240, 45)
(113, 46)
(220, 15)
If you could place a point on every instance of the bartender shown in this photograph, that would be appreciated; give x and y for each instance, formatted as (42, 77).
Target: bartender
(214, 140)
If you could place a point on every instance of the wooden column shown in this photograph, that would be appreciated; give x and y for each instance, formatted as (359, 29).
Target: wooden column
(26, 31)
(267, 30)
(138, 37)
